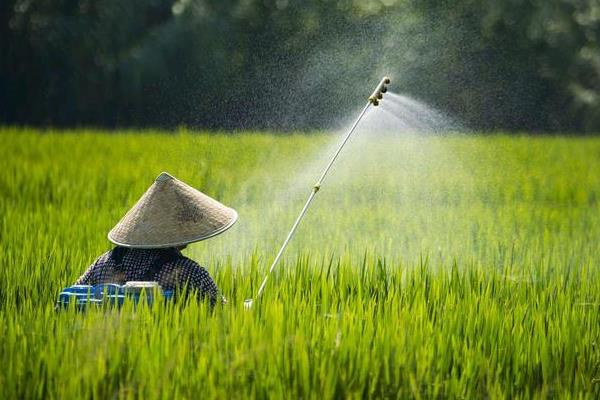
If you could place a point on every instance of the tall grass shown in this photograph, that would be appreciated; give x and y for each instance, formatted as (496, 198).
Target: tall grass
(429, 267)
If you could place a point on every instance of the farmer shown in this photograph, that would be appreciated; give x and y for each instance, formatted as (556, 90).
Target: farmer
(150, 237)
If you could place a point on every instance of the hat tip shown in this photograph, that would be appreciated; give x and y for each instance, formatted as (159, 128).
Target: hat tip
(164, 176)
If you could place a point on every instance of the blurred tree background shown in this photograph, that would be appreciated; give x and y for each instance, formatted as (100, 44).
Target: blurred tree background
(297, 64)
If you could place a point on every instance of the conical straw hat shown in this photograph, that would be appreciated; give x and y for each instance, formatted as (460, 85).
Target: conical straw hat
(171, 214)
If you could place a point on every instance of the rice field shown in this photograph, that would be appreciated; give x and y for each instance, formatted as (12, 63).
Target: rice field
(429, 267)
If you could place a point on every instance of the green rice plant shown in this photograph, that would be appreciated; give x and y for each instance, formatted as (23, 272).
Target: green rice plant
(429, 267)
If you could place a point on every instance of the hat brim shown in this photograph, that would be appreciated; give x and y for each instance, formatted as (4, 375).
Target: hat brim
(171, 214)
(178, 244)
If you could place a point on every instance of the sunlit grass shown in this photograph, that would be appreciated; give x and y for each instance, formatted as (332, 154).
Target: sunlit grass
(428, 267)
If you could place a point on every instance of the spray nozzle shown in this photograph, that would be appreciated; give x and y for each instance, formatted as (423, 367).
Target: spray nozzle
(379, 91)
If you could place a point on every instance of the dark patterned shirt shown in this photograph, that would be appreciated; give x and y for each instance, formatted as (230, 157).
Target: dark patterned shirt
(175, 271)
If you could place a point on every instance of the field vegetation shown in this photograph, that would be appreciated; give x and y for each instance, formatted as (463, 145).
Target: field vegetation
(430, 267)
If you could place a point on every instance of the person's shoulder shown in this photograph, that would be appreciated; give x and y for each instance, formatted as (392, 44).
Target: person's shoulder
(103, 258)
(187, 262)
(90, 276)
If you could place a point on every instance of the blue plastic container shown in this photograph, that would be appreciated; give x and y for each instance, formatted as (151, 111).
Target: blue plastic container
(107, 289)
(168, 294)
(110, 294)
(79, 289)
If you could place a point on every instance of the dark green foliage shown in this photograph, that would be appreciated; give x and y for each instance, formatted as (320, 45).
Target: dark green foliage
(297, 64)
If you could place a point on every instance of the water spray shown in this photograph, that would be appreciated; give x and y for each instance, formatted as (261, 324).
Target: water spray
(373, 100)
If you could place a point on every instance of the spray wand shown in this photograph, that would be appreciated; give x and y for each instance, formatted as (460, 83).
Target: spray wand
(373, 100)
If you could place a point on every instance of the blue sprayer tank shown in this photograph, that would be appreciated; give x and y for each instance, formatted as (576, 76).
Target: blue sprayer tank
(110, 294)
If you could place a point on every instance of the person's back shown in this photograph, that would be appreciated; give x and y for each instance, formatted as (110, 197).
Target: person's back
(169, 216)
(171, 269)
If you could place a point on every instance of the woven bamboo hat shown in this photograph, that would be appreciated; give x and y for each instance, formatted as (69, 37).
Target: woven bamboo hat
(171, 214)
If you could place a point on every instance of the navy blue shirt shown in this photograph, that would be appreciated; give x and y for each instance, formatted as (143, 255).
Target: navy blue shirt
(176, 272)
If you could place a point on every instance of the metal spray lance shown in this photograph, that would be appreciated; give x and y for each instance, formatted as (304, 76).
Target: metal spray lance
(373, 100)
